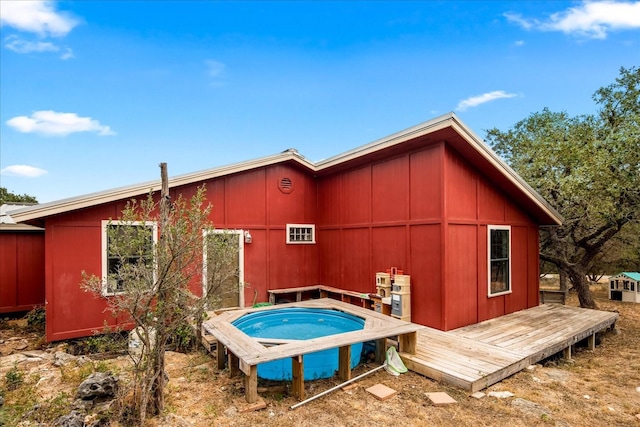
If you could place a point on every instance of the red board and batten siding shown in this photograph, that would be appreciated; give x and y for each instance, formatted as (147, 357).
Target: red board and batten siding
(248, 201)
(73, 245)
(425, 212)
(21, 272)
(381, 215)
(473, 203)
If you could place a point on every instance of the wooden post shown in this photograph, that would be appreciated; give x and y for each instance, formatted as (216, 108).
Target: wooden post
(220, 356)
(381, 349)
(297, 370)
(408, 342)
(591, 342)
(234, 365)
(566, 353)
(344, 363)
(165, 200)
(251, 385)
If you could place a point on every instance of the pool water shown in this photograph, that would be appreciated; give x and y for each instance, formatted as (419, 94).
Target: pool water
(301, 324)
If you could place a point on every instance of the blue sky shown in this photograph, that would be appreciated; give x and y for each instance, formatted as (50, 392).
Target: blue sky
(95, 94)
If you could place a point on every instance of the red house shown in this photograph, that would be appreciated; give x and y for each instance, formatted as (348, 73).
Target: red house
(433, 200)
(21, 264)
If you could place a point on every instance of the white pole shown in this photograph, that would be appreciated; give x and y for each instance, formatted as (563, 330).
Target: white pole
(338, 386)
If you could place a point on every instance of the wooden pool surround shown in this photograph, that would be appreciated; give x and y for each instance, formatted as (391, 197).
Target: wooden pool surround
(245, 353)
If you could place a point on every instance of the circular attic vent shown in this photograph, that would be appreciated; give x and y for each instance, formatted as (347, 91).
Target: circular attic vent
(285, 185)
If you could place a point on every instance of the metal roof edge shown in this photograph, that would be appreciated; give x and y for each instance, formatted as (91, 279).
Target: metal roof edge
(4, 227)
(388, 141)
(484, 150)
(119, 193)
(435, 124)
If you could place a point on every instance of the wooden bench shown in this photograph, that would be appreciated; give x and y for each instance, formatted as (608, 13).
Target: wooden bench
(322, 291)
(553, 296)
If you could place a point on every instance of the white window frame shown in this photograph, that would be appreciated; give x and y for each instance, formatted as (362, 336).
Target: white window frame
(240, 234)
(105, 241)
(510, 284)
(312, 227)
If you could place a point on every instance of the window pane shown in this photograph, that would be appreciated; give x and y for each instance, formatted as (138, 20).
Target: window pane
(499, 276)
(499, 244)
(499, 261)
(127, 245)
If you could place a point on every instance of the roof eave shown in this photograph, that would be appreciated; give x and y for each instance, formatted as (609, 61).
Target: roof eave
(421, 129)
(488, 154)
(425, 128)
(123, 193)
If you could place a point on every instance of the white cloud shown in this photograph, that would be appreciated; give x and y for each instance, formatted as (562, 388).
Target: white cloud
(67, 54)
(516, 18)
(39, 17)
(52, 123)
(23, 46)
(519, 43)
(591, 19)
(474, 101)
(22, 170)
(214, 68)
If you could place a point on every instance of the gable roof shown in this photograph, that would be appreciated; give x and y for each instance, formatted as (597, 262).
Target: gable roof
(446, 127)
(633, 275)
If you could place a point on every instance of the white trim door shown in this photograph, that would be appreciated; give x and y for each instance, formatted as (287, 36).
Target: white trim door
(233, 296)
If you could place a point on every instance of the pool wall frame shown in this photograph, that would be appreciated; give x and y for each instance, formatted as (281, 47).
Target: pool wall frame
(244, 353)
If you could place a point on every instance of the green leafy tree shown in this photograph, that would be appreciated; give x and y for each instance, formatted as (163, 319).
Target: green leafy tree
(8, 197)
(621, 253)
(152, 282)
(588, 168)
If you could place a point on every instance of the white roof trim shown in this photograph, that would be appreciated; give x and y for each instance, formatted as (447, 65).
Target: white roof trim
(19, 227)
(438, 123)
(121, 193)
(485, 151)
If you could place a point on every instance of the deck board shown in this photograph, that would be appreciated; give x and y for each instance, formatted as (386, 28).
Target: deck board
(477, 356)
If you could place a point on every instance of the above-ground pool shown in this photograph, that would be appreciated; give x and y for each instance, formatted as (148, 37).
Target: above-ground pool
(301, 324)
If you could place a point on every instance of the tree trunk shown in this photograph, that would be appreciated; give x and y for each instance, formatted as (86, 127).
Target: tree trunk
(157, 389)
(581, 285)
(563, 280)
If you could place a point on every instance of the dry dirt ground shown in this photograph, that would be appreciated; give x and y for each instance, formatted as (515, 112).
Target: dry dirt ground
(597, 388)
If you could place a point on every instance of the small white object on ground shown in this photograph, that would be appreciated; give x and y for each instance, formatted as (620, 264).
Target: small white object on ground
(501, 394)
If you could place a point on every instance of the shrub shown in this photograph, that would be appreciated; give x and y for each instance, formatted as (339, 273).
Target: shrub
(13, 378)
(184, 338)
(36, 319)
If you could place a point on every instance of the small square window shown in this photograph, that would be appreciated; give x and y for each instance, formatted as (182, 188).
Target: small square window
(301, 233)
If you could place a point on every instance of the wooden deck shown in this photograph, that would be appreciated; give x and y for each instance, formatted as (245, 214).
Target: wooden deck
(472, 358)
(477, 356)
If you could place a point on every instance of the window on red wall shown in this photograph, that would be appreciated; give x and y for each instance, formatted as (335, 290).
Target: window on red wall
(499, 249)
(301, 233)
(124, 245)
